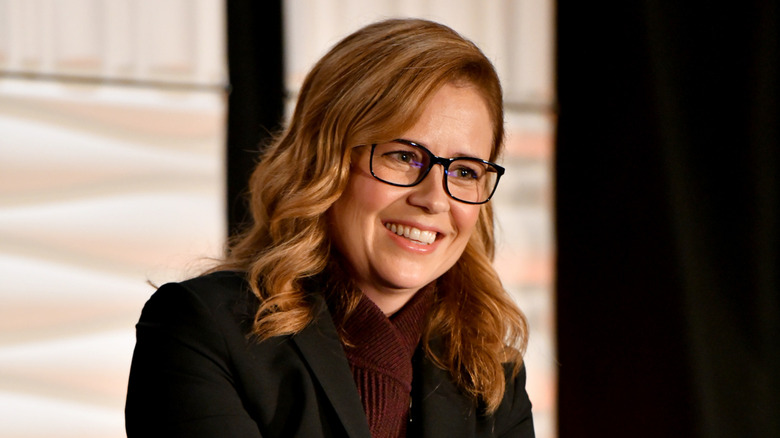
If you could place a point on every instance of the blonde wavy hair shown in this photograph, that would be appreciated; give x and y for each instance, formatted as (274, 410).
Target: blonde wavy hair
(371, 87)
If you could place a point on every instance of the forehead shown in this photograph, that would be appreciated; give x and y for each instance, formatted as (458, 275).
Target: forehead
(455, 122)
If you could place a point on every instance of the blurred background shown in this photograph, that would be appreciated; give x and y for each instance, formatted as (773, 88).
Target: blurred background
(638, 220)
(126, 131)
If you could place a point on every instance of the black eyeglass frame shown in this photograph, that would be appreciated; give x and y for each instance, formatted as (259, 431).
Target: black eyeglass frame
(445, 163)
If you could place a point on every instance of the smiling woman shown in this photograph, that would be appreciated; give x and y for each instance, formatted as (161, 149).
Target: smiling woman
(361, 300)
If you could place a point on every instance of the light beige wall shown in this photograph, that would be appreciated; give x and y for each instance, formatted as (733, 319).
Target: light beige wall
(111, 174)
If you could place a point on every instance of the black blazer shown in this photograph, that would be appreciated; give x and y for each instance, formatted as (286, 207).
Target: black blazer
(196, 373)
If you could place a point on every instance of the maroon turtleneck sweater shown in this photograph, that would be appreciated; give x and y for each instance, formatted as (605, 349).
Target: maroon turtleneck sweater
(381, 360)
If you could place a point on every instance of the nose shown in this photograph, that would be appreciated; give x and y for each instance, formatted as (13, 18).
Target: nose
(430, 193)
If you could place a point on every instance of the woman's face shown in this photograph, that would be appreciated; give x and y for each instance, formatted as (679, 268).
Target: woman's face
(389, 268)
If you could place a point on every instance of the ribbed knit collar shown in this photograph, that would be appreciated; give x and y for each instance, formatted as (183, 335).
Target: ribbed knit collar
(383, 344)
(380, 356)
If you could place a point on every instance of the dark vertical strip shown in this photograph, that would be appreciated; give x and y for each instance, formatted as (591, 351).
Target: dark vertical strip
(667, 216)
(256, 99)
(716, 90)
(619, 307)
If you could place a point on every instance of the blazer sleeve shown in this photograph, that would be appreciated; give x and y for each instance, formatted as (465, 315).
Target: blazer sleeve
(514, 418)
(180, 381)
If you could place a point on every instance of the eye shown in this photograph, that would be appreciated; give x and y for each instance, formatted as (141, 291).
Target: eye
(466, 172)
(408, 157)
(401, 156)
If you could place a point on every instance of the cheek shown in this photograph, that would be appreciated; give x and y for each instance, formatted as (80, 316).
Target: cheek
(466, 217)
(358, 208)
(368, 197)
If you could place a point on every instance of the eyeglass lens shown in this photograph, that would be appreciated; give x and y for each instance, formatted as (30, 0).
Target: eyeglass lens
(468, 179)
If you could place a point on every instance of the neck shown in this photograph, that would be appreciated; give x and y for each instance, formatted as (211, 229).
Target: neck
(389, 303)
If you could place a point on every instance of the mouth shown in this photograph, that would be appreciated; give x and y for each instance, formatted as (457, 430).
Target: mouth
(414, 234)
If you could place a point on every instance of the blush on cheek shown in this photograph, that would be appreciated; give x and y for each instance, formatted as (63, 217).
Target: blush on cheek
(466, 217)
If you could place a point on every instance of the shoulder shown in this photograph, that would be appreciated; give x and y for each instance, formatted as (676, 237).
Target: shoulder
(216, 288)
(222, 290)
(514, 417)
(213, 287)
(221, 298)
(445, 409)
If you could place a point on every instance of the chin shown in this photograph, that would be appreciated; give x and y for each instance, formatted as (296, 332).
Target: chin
(406, 283)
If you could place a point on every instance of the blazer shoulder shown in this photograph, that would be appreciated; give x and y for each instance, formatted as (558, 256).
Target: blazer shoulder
(223, 296)
(514, 416)
(185, 377)
(218, 286)
(214, 286)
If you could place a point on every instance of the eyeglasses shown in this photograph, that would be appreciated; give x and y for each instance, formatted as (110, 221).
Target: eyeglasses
(404, 163)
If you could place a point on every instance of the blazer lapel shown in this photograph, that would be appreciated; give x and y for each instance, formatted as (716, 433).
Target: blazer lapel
(321, 348)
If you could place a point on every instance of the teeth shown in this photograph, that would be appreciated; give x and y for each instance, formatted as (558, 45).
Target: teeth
(411, 233)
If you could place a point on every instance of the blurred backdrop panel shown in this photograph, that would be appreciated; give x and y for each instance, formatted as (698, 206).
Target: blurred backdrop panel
(667, 190)
(112, 119)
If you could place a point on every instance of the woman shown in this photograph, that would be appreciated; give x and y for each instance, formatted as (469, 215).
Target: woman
(361, 301)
